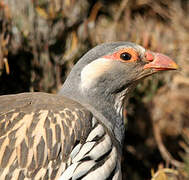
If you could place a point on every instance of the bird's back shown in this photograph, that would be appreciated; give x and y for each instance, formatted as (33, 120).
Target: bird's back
(45, 136)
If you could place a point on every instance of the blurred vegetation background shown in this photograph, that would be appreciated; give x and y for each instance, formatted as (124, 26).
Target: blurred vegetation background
(41, 40)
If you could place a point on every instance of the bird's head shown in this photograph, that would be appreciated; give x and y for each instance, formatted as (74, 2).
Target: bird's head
(113, 67)
(122, 66)
(105, 75)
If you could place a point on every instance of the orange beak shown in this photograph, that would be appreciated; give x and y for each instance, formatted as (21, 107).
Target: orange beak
(159, 62)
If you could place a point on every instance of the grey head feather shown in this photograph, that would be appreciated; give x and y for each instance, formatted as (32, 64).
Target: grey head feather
(100, 102)
(74, 78)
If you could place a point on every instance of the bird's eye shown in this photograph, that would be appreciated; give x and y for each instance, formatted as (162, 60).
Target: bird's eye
(125, 56)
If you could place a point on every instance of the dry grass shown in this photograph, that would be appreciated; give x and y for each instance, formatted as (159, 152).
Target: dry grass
(41, 40)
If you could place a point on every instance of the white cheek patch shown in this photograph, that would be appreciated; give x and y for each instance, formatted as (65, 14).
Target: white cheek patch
(93, 71)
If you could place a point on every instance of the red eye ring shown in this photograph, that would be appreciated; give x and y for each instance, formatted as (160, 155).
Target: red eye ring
(124, 55)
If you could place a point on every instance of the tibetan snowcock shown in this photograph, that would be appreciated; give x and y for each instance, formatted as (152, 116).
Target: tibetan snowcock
(78, 133)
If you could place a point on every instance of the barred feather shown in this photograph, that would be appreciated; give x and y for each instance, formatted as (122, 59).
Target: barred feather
(45, 136)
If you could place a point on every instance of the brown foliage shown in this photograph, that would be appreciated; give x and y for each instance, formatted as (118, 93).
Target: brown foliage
(41, 40)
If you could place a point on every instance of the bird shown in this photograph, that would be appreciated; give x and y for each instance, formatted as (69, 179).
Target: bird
(77, 133)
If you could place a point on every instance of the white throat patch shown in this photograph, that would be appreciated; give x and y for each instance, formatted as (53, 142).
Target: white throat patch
(93, 71)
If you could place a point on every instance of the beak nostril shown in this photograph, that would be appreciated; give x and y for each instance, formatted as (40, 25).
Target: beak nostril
(161, 62)
(149, 56)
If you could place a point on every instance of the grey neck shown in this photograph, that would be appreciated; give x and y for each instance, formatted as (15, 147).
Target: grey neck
(107, 107)
(112, 111)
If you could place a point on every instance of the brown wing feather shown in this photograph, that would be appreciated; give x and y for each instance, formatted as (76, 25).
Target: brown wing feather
(37, 133)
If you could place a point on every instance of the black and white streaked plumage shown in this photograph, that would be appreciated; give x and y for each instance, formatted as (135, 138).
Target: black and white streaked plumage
(78, 133)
